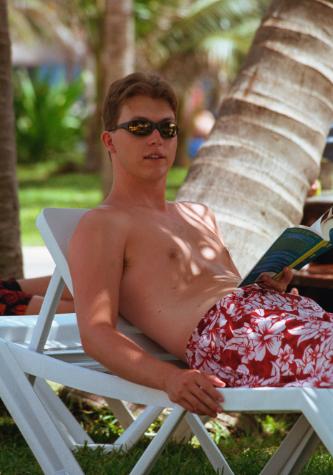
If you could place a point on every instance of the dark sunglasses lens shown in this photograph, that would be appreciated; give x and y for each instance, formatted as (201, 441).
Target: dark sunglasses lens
(140, 127)
(168, 129)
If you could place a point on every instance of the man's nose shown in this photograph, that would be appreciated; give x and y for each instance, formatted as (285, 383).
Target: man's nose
(154, 137)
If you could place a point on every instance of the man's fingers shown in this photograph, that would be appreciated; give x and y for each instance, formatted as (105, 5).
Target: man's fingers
(200, 403)
(268, 283)
(287, 277)
(216, 381)
(209, 400)
(206, 392)
(280, 284)
(196, 391)
(209, 387)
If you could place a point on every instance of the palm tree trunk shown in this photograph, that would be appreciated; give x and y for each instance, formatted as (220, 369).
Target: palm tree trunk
(10, 248)
(93, 142)
(117, 56)
(265, 150)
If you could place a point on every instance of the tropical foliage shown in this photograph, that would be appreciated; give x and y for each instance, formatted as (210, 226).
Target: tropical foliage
(211, 34)
(182, 39)
(49, 118)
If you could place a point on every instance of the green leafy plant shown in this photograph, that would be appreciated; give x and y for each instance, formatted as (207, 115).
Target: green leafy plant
(49, 118)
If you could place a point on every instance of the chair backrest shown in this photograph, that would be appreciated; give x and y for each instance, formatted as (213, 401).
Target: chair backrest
(56, 226)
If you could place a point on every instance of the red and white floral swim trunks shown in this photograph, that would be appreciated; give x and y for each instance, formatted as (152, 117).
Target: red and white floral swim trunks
(257, 337)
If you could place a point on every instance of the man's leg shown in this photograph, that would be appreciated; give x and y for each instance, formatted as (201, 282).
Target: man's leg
(25, 296)
(38, 286)
(34, 306)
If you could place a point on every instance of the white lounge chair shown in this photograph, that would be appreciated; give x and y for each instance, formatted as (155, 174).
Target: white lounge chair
(49, 429)
(52, 432)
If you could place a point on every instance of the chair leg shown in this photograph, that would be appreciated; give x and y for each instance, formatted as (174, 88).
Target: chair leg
(183, 433)
(295, 450)
(146, 462)
(133, 433)
(213, 453)
(33, 420)
(304, 456)
(317, 409)
(120, 411)
(75, 436)
(72, 432)
(48, 309)
(136, 430)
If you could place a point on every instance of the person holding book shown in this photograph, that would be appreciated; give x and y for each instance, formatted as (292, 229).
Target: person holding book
(165, 268)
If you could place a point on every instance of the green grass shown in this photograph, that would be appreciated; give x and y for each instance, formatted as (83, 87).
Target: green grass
(40, 187)
(247, 445)
(246, 454)
(175, 179)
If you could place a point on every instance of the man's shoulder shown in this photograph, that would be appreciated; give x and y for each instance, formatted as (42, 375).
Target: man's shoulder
(104, 217)
(200, 211)
(196, 207)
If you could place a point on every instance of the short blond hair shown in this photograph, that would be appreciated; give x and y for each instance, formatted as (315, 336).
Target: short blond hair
(135, 84)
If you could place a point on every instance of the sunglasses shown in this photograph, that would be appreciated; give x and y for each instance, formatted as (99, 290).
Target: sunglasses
(144, 127)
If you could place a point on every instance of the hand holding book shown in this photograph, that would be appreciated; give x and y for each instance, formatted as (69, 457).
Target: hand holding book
(294, 248)
(281, 283)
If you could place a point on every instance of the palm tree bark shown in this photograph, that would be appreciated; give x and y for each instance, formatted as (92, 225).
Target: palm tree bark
(117, 57)
(10, 247)
(265, 150)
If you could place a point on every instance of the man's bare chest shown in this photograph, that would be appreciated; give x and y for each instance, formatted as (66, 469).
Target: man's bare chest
(174, 247)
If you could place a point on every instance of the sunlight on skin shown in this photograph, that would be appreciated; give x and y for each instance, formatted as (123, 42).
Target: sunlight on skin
(177, 242)
(189, 266)
(208, 253)
(101, 302)
(195, 269)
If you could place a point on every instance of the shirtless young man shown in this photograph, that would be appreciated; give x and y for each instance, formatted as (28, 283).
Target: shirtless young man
(162, 265)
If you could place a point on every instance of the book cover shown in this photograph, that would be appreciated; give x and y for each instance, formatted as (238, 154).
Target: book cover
(294, 248)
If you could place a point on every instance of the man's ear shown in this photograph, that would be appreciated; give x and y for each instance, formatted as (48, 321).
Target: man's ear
(107, 141)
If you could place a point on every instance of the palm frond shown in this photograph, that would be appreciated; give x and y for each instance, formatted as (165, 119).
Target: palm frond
(204, 20)
(224, 48)
(30, 21)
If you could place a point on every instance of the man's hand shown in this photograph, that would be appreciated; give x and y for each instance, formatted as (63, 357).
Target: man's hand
(195, 391)
(279, 284)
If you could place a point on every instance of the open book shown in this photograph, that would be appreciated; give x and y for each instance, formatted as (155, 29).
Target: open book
(294, 248)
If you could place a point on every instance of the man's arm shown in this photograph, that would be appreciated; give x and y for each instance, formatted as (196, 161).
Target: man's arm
(96, 256)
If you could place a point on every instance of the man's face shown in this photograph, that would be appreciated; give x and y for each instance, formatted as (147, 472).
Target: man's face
(145, 157)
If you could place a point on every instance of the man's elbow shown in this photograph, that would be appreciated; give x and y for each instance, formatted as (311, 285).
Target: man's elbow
(95, 339)
(88, 344)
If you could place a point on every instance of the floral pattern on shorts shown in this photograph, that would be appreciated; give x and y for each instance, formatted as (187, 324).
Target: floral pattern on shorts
(256, 337)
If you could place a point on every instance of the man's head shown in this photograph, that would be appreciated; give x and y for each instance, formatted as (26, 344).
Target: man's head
(140, 127)
(136, 84)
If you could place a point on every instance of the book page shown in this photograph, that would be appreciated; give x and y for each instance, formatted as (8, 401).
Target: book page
(326, 225)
